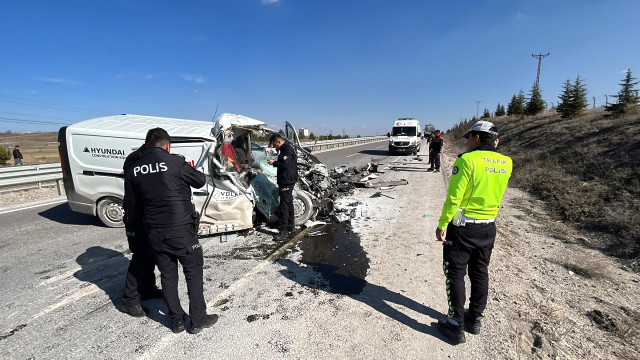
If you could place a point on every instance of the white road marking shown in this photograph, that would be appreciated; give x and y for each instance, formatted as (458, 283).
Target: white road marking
(351, 155)
(34, 206)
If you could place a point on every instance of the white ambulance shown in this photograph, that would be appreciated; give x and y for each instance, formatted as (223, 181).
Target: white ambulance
(405, 137)
(92, 154)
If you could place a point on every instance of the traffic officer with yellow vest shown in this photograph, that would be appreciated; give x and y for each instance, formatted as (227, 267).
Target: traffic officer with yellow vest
(467, 227)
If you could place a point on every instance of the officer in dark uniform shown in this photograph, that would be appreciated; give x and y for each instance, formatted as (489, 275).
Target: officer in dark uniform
(287, 177)
(160, 183)
(140, 281)
(435, 150)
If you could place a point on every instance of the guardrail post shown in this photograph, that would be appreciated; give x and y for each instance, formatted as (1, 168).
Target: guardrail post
(59, 186)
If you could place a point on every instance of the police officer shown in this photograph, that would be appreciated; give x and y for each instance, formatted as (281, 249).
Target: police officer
(160, 183)
(435, 150)
(467, 227)
(287, 177)
(140, 280)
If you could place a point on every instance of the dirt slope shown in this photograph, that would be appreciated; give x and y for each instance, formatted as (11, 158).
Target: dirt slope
(587, 169)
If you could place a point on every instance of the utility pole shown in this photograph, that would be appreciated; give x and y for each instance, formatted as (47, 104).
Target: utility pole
(478, 109)
(539, 57)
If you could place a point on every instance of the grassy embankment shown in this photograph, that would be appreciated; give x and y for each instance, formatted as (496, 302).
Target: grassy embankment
(36, 148)
(587, 169)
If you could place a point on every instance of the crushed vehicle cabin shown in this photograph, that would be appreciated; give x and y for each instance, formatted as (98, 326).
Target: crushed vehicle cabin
(241, 187)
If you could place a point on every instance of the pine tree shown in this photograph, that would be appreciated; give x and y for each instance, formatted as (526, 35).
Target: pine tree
(565, 106)
(516, 105)
(579, 95)
(535, 104)
(627, 96)
(500, 110)
(511, 107)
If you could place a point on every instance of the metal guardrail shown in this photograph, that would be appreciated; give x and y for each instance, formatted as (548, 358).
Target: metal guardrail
(330, 144)
(31, 174)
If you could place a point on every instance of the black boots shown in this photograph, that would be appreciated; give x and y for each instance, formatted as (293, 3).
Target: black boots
(282, 236)
(455, 333)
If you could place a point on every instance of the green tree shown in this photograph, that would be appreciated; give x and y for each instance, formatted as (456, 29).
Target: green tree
(486, 114)
(312, 136)
(573, 99)
(565, 105)
(536, 104)
(500, 111)
(5, 155)
(627, 96)
(516, 105)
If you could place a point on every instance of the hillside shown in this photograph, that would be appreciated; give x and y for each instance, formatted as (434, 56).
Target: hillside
(37, 148)
(586, 169)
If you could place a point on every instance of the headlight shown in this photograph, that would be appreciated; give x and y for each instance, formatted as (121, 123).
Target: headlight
(413, 142)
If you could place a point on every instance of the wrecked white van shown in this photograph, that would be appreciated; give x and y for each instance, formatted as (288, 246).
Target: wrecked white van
(92, 153)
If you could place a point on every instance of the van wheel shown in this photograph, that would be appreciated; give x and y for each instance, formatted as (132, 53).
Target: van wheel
(111, 212)
(302, 207)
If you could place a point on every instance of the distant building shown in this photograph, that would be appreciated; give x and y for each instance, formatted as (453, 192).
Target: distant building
(304, 132)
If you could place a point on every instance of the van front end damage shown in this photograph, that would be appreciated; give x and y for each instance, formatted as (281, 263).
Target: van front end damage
(241, 188)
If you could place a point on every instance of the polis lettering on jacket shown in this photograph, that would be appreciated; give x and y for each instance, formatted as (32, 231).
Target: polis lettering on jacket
(149, 168)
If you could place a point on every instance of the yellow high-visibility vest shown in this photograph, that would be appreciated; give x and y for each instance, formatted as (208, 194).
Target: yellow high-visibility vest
(478, 181)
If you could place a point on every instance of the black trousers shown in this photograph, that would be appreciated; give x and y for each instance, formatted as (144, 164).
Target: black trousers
(434, 159)
(140, 278)
(285, 209)
(173, 245)
(471, 247)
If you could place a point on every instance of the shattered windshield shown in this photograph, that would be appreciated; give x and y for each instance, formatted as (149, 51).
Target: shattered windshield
(404, 131)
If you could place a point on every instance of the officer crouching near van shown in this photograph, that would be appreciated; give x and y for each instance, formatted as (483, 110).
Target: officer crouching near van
(140, 280)
(467, 227)
(287, 177)
(160, 183)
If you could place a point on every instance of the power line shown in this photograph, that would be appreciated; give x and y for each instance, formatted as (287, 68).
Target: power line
(38, 116)
(48, 107)
(27, 121)
(58, 105)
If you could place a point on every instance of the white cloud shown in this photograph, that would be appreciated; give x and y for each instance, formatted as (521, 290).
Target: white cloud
(60, 81)
(148, 76)
(270, 2)
(199, 79)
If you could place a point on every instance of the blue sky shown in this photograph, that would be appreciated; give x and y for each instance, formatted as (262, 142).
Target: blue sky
(331, 66)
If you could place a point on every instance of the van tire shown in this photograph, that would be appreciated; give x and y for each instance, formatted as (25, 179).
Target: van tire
(302, 207)
(110, 212)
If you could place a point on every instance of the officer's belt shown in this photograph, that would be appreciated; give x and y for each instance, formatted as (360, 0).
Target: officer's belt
(469, 220)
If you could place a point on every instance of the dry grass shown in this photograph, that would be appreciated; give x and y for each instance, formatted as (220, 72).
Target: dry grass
(587, 169)
(37, 148)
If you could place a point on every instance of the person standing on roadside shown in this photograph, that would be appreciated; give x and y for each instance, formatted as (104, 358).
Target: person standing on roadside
(17, 156)
(435, 149)
(159, 183)
(287, 177)
(140, 280)
(467, 227)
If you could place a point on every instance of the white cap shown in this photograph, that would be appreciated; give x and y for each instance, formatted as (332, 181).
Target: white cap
(482, 126)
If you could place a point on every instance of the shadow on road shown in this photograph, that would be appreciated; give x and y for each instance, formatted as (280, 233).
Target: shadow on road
(376, 296)
(106, 269)
(375, 152)
(64, 215)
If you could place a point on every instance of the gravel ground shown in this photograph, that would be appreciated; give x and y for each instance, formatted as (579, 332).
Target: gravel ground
(25, 194)
(550, 296)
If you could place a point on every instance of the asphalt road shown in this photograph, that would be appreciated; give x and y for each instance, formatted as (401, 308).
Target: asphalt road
(62, 278)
